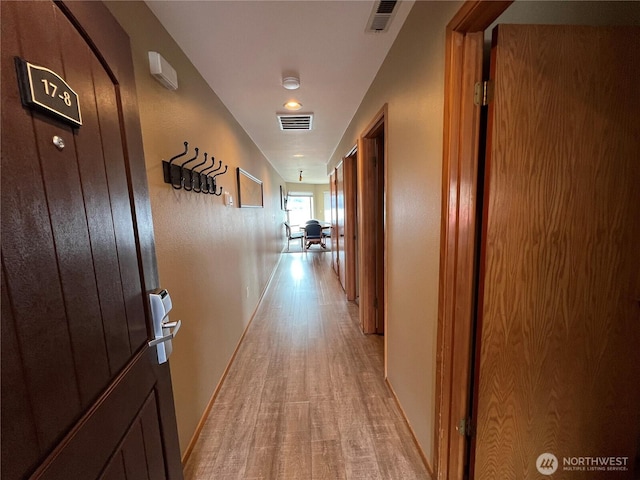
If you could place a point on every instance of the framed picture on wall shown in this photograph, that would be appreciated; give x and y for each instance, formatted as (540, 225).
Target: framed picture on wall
(249, 190)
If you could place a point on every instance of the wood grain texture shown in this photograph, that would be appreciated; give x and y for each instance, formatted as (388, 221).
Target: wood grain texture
(28, 250)
(341, 215)
(369, 227)
(460, 138)
(560, 329)
(305, 396)
(464, 280)
(351, 225)
(73, 261)
(334, 219)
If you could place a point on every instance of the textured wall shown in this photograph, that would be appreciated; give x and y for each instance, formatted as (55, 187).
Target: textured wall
(411, 82)
(214, 260)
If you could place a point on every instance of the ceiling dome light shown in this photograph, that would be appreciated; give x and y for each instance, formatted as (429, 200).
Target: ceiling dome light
(293, 105)
(291, 83)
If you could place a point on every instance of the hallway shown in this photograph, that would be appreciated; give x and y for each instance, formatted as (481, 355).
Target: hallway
(305, 397)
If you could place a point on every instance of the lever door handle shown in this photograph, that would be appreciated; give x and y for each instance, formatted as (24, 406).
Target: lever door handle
(175, 325)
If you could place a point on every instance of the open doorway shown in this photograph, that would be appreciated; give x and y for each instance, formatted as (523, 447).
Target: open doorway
(351, 224)
(371, 202)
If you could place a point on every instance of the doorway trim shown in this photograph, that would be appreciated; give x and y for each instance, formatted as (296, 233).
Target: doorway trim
(456, 297)
(367, 224)
(350, 221)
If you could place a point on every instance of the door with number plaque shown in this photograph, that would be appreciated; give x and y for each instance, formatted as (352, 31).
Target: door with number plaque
(83, 395)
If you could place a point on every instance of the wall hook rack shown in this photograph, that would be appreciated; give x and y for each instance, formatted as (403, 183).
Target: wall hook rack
(213, 179)
(198, 178)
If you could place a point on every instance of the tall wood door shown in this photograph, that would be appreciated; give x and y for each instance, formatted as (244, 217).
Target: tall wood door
(559, 318)
(350, 226)
(334, 221)
(340, 210)
(83, 396)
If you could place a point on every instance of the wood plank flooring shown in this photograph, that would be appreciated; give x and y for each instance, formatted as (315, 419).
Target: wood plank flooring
(305, 397)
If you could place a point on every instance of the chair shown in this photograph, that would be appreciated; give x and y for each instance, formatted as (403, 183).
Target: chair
(313, 235)
(293, 236)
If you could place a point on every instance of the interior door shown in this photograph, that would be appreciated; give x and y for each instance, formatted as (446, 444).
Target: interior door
(83, 396)
(334, 221)
(350, 239)
(339, 246)
(559, 316)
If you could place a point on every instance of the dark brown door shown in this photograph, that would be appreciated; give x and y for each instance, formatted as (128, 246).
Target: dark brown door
(82, 394)
(559, 323)
(380, 226)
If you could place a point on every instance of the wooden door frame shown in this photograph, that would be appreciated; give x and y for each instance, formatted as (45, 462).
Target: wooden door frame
(350, 226)
(458, 255)
(367, 223)
(333, 188)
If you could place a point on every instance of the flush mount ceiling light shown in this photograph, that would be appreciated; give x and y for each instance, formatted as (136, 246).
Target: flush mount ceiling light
(291, 83)
(293, 105)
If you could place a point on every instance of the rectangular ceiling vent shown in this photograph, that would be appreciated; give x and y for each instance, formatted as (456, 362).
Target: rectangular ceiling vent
(300, 121)
(381, 15)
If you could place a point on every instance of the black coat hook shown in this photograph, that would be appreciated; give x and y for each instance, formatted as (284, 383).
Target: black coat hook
(182, 170)
(196, 175)
(221, 173)
(201, 178)
(212, 181)
(186, 149)
(208, 170)
(173, 172)
(204, 183)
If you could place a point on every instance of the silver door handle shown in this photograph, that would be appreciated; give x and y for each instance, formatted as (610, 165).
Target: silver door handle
(175, 325)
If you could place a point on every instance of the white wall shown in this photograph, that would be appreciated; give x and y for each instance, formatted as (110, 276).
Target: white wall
(411, 82)
(214, 260)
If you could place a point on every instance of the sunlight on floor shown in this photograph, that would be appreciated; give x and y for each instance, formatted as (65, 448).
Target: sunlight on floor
(296, 269)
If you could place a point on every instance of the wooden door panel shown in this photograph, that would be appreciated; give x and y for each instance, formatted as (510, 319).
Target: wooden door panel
(560, 326)
(350, 225)
(79, 455)
(99, 215)
(334, 221)
(115, 470)
(142, 457)
(17, 421)
(90, 143)
(76, 369)
(65, 202)
(339, 245)
(28, 236)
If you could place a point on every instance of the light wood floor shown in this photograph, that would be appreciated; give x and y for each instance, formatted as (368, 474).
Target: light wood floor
(305, 397)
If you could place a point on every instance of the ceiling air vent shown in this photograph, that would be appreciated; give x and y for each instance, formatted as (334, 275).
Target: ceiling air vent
(301, 121)
(381, 16)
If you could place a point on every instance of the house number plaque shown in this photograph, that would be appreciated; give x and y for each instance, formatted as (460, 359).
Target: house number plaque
(47, 91)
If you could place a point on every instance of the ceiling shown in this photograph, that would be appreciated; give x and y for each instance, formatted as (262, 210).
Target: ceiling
(244, 48)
